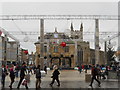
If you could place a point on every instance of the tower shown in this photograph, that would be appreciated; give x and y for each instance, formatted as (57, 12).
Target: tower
(71, 31)
(55, 29)
(77, 34)
(81, 32)
(71, 27)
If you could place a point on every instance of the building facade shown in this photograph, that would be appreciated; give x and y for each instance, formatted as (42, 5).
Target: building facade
(8, 51)
(3, 49)
(76, 51)
(12, 52)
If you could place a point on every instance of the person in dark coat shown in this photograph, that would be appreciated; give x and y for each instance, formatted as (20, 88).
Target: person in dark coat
(12, 77)
(17, 68)
(86, 68)
(22, 75)
(45, 69)
(55, 76)
(38, 77)
(94, 74)
(4, 74)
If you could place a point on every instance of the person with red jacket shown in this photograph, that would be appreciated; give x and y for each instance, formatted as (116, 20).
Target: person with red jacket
(94, 74)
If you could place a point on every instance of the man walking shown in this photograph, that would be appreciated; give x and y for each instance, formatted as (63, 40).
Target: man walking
(94, 74)
(4, 73)
(22, 75)
(38, 77)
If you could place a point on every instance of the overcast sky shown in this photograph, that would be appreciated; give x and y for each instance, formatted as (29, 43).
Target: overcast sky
(58, 8)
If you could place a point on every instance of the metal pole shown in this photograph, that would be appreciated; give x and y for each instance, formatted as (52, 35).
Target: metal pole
(105, 53)
(42, 43)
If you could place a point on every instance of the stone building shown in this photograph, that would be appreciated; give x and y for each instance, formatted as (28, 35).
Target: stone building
(8, 51)
(92, 57)
(75, 52)
(2, 49)
(12, 52)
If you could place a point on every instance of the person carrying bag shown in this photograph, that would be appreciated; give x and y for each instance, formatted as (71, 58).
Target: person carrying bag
(55, 76)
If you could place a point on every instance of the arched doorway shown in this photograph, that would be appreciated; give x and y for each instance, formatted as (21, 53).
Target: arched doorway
(55, 61)
(66, 62)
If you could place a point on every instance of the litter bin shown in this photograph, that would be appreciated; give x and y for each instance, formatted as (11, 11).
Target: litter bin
(87, 77)
(112, 75)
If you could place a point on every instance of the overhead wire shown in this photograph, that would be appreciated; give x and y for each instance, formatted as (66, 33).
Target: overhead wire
(26, 36)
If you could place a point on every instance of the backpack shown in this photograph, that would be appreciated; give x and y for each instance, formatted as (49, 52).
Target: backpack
(38, 73)
(96, 71)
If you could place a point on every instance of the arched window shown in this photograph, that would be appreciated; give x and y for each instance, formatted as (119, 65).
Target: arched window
(76, 37)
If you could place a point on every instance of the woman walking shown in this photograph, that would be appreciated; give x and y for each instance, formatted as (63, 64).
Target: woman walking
(22, 75)
(12, 77)
(55, 76)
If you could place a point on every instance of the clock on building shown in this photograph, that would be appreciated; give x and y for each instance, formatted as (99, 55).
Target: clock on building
(55, 35)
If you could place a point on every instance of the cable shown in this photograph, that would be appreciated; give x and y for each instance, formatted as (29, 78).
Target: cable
(18, 27)
(26, 36)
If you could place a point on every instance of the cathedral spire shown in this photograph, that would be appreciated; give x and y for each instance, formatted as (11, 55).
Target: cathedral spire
(81, 27)
(56, 29)
(71, 27)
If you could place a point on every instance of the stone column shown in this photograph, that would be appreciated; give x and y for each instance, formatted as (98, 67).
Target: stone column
(97, 41)
(75, 55)
(48, 52)
(42, 43)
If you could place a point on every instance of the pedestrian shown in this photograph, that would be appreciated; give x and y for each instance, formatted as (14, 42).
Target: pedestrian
(98, 72)
(17, 68)
(80, 68)
(34, 68)
(45, 69)
(12, 77)
(85, 67)
(31, 69)
(55, 76)
(106, 71)
(22, 75)
(4, 74)
(94, 74)
(38, 77)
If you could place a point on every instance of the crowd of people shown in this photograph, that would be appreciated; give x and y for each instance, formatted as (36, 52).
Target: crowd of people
(97, 72)
(100, 71)
(23, 71)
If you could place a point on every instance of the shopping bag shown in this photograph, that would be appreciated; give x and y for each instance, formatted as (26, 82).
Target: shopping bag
(24, 82)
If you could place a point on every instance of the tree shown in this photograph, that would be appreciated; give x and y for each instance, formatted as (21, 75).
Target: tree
(110, 53)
